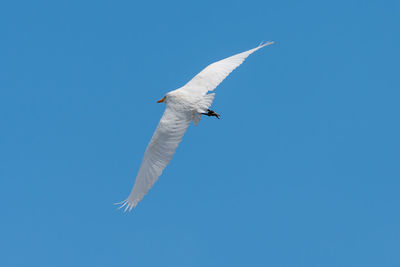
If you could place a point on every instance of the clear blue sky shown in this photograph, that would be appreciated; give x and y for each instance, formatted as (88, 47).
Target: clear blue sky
(303, 169)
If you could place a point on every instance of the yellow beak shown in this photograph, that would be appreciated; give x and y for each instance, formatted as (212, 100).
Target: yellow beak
(162, 99)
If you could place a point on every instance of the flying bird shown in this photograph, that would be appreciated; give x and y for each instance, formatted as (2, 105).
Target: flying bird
(183, 105)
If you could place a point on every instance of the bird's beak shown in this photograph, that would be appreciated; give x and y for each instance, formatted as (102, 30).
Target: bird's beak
(162, 99)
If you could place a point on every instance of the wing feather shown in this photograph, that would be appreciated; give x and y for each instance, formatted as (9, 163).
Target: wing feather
(210, 77)
(158, 154)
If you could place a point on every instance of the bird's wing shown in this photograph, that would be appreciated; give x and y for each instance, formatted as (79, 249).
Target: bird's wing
(210, 77)
(158, 154)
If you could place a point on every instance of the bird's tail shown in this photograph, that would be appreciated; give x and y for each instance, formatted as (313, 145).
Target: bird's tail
(202, 107)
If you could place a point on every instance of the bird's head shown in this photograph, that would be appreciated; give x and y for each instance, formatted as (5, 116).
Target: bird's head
(162, 99)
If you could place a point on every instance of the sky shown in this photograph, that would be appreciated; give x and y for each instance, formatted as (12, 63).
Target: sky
(302, 170)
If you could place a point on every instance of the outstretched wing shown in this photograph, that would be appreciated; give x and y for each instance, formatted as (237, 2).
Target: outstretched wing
(159, 152)
(210, 77)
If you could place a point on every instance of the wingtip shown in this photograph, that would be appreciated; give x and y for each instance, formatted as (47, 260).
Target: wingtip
(262, 44)
(129, 205)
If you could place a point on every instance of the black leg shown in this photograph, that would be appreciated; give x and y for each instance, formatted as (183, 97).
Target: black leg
(211, 113)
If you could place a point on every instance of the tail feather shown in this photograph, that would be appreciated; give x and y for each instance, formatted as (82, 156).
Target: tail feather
(202, 107)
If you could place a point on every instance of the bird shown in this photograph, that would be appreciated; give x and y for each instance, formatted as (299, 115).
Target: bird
(183, 105)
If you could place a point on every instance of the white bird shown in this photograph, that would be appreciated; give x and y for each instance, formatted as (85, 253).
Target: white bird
(184, 105)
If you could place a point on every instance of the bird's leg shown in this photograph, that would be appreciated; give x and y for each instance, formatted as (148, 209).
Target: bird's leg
(211, 113)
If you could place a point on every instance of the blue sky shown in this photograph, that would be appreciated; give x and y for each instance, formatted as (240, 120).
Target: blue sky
(303, 169)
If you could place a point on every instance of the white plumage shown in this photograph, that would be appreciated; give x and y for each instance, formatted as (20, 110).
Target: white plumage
(184, 105)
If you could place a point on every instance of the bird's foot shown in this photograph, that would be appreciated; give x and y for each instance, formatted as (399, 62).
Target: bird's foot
(211, 113)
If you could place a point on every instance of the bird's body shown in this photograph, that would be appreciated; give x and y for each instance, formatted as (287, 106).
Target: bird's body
(183, 105)
(182, 101)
